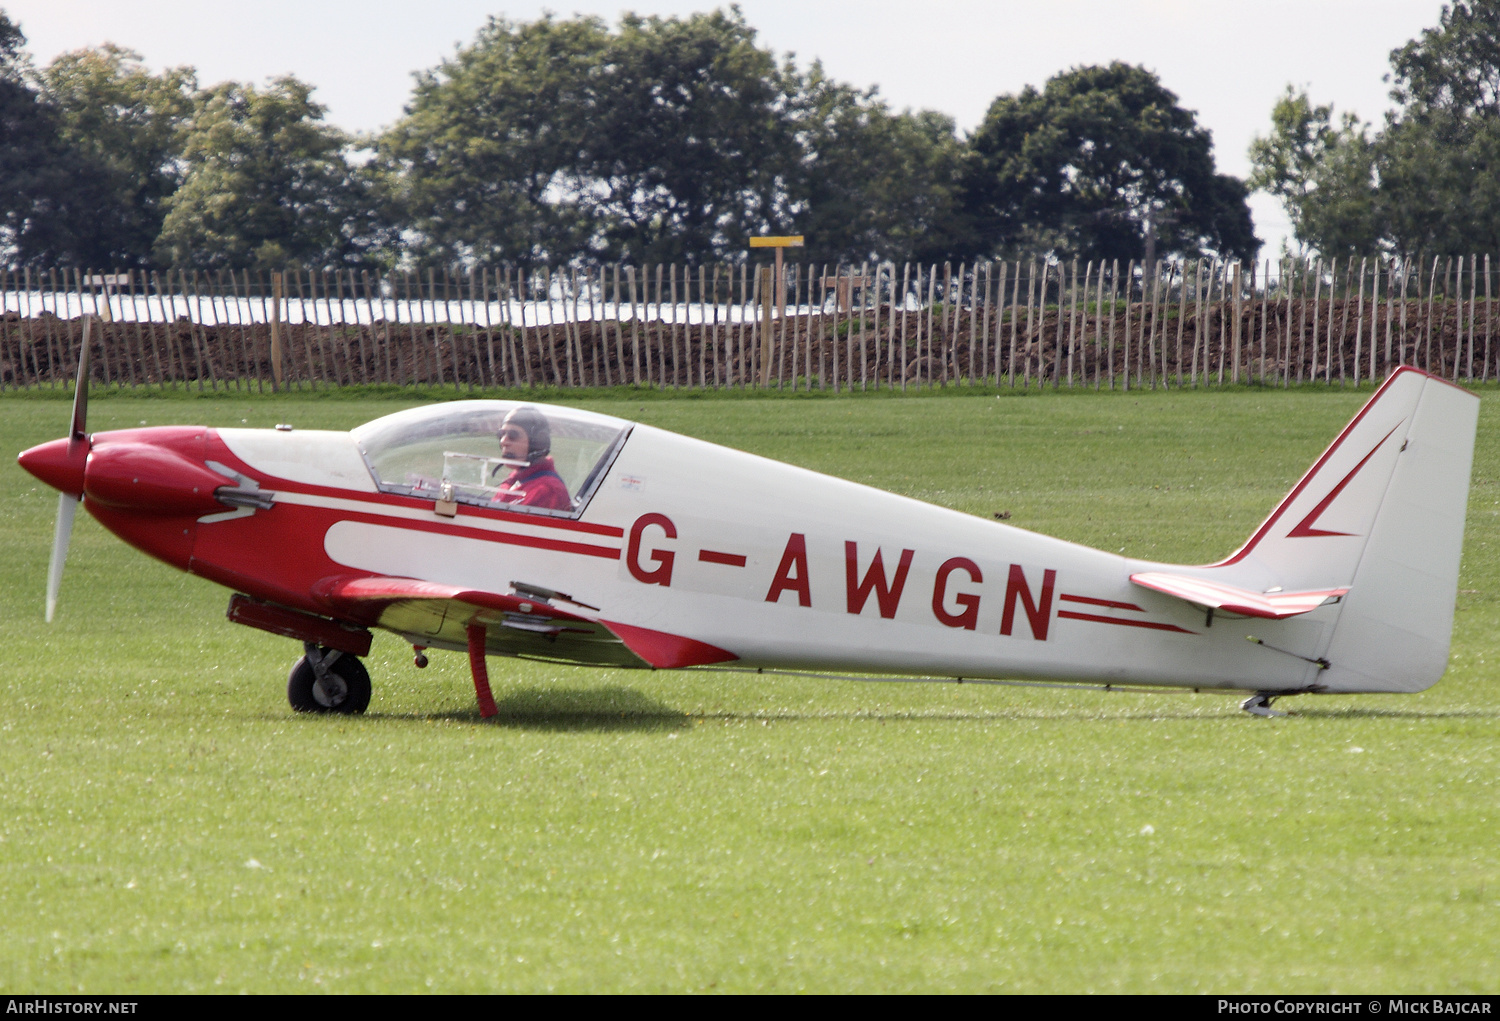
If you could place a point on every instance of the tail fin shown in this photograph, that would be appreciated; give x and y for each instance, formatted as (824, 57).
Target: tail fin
(1381, 513)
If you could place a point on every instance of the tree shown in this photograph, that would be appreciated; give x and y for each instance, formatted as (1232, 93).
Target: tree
(33, 166)
(122, 128)
(1439, 156)
(1102, 163)
(1324, 175)
(1454, 67)
(267, 184)
(486, 163)
(554, 140)
(1430, 179)
(671, 139)
(691, 142)
(872, 185)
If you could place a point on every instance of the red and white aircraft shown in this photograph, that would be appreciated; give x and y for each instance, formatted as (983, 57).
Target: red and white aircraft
(665, 553)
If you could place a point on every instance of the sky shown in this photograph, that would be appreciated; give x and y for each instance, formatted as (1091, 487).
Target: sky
(1227, 61)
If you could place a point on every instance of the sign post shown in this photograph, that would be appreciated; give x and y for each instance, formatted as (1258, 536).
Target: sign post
(778, 243)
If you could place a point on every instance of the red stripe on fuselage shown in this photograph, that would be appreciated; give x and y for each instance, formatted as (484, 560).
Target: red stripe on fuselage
(709, 556)
(1152, 625)
(510, 538)
(1113, 604)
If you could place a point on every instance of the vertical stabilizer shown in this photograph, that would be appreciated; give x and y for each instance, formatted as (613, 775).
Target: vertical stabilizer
(1395, 624)
(1381, 514)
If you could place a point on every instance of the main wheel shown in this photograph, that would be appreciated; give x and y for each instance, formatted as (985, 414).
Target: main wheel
(346, 689)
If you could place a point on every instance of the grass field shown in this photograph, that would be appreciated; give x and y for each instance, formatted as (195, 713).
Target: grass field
(169, 825)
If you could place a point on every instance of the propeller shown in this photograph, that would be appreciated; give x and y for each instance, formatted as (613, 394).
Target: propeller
(67, 503)
(67, 506)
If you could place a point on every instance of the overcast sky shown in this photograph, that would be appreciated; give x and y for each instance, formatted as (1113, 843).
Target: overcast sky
(1228, 61)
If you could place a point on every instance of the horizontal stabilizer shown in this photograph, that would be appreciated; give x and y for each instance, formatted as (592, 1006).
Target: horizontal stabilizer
(1218, 596)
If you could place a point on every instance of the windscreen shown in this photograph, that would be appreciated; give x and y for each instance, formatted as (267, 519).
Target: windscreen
(455, 451)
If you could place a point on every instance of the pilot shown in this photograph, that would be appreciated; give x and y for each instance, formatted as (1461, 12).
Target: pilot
(526, 436)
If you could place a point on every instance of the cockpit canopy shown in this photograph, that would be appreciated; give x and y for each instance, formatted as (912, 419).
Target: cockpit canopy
(451, 451)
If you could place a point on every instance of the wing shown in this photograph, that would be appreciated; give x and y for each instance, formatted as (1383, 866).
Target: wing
(1218, 596)
(521, 623)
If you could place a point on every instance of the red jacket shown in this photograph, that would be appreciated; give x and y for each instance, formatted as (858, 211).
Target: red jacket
(536, 485)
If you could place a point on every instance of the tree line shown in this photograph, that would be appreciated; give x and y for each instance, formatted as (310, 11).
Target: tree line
(576, 141)
(1428, 179)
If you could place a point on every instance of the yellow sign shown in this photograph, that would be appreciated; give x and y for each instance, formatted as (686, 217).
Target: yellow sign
(773, 242)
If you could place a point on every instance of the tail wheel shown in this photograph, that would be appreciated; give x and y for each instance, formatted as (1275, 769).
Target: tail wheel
(344, 687)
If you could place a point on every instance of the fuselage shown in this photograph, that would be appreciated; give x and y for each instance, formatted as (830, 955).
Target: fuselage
(779, 566)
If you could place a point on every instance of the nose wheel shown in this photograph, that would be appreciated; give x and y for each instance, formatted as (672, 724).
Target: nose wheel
(328, 681)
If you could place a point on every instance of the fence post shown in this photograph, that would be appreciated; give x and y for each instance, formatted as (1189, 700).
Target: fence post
(1181, 318)
(381, 283)
(57, 345)
(1235, 309)
(1442, 330)
(905, 290)
(766, 286)
(28, 323)
(864, 303)
(1489, 313)
(192, 329)
(15, 366)
(1317, 311)
(373, 359)
(1057, 341)
(1226, 304)
(276, 369)
(1359, 322)
(1390, 308)
(931, 317)
(1426, 342)
(735, 372)
(619, 324)
(1030, 323)
(1125, 347)
(1265, 315)
(997, 307)
(1473, 310)
(1114, 289)
(1343, 323)
(1083, 325)
(572, 342)
(24, 353)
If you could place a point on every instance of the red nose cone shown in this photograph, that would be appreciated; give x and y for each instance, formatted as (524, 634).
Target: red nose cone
(60, 464)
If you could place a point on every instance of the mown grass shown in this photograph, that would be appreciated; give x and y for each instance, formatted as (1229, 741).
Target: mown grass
(169, 825)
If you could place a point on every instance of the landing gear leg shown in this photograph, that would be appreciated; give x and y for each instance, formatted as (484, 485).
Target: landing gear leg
(481, 672)
(1259, 704)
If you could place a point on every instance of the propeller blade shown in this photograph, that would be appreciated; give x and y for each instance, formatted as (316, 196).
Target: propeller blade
(66, 507)
(79, 429)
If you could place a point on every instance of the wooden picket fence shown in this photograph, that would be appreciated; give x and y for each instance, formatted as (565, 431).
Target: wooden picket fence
(1021, 323)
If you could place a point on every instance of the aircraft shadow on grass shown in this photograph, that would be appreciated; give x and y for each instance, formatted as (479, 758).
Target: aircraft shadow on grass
(1355, 713)
(626, 709)
(571, 709)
